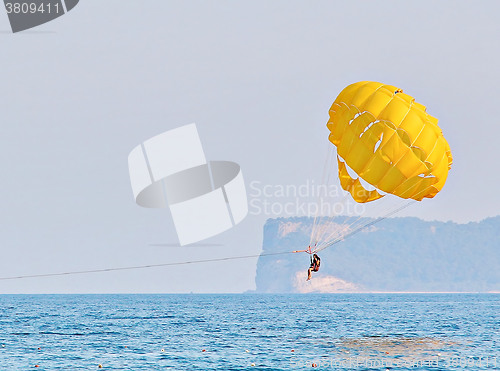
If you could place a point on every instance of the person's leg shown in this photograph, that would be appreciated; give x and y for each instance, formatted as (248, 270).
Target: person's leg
(309, 274)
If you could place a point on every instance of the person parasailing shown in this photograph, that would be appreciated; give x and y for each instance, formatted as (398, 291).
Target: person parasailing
(314, 267)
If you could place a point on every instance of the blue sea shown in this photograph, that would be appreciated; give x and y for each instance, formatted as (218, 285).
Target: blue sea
(250, 332)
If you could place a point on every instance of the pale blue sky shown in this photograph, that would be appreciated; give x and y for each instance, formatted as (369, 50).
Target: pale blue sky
(258, 78)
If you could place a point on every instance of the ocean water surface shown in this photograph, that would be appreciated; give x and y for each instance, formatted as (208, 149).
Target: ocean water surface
(250, 332)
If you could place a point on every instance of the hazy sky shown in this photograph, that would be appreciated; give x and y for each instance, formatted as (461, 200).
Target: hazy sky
(258, 78)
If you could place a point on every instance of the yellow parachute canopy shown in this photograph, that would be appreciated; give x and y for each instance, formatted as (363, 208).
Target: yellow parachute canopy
(389, 141)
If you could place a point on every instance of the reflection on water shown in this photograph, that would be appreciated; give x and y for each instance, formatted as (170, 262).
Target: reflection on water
(418, 347)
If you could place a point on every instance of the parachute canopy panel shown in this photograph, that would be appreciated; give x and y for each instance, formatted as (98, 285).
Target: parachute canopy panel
(390, 141)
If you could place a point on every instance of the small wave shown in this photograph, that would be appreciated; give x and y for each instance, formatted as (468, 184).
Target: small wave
(62, 333)
(142, 317)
